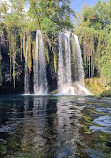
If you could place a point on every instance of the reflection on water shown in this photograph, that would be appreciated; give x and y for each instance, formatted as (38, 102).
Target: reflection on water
(50, 125)
(34, 123)
(67, 128)
(47, 127)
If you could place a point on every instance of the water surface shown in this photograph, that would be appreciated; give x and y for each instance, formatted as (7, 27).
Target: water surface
(54, 127)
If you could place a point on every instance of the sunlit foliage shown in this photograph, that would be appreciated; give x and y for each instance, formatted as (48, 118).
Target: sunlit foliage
(93, 25)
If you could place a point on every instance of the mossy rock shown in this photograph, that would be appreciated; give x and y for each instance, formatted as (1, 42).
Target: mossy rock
(95, 85)
(54, 91)
(106, 93)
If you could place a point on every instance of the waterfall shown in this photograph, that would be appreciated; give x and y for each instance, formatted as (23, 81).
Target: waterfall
(65, 85)
(27, 78)
(60, 65)
(79, 70)
(40, 79)
(64, 64)
(68, 59)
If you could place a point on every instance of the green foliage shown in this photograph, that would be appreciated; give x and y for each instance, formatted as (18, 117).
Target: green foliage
(105, 61)
(3, 9)
(93, 29)
(51, 16)
(48, 26)
(15, 26)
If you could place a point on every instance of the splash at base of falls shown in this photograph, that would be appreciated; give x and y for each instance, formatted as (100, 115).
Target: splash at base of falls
(41, 91)
(81, 89)
(77, 89)
(27, 94)
(67, 90)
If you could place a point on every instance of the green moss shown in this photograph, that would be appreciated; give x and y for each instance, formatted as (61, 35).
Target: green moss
(54, 91)
(106, 93)
(96, 112)
(85, 129)
(95, 85)
(87, 118)
(86, 121)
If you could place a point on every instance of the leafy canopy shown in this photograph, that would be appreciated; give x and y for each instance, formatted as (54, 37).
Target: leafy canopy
(94, 30)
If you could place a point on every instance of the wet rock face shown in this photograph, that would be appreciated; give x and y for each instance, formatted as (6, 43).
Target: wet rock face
(7, 84)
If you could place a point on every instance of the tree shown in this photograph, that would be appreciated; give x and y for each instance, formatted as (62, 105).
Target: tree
(94, 33)
(14, 24)
(51, 14)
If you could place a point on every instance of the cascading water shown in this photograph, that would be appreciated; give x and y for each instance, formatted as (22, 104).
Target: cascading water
(79, 70)
(60, 64)
(64, 65)
(27, 78)
(40, 79)
(65, 85)
(68, 59)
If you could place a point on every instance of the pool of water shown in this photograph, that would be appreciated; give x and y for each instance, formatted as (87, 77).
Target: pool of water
(55, 127)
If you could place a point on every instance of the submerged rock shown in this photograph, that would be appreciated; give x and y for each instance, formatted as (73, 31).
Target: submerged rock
(105, 110)
(103, 129)
(104, 122)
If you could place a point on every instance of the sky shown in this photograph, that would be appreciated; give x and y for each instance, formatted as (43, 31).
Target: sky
(76, 5)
